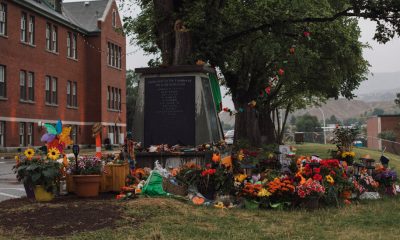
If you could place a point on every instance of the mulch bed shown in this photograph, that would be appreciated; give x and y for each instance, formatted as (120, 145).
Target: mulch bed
(62, 216)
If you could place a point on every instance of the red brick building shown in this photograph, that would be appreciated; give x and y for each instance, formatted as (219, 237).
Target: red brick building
(383, 123)
(61, 61)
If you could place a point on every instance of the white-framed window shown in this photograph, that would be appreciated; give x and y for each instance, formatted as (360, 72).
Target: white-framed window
(31, 30)
(74, 46)
(75, 94)
(23, 27)
(3, 19)
(114, 18)
(22, 134)
(31, 86)
(108, 97)
(68, 93)
(22, 85)
(54, 39)
(54, 90)
(114, 55)
(74, 134)
(69, 40)
(47, 89)
(29, 134)
(2, 133)
(48, 36)
(2, 81)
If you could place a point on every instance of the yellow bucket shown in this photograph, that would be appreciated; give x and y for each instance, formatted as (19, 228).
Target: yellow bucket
(42, 195)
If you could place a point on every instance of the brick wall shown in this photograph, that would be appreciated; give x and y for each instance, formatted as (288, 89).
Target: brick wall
(90, 71)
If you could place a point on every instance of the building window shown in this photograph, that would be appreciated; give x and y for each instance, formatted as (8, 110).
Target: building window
(48, 36)
(51, 90)
(108, 97)
(68, 93)
(29, 134)
(51, 37)
(22, 134)
(114, 55)
(47, 89)
(2, 133)
(114, 98)
(54, 90)
(72, 45)
(22, 85)
(3, 19)
(74, 94)
(114, 17)
(31, 30)
(2, 81)
(119, 99)
(54, 39)
(23, 27)
(74, 134)
(31, 86)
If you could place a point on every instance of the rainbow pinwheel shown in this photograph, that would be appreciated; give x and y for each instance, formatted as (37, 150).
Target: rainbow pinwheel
(57, 136)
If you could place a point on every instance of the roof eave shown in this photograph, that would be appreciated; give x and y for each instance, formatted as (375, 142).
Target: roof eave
(54, 18)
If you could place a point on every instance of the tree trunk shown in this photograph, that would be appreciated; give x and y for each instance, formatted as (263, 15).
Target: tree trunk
(254, 126)
(183, 45)
(164, 11)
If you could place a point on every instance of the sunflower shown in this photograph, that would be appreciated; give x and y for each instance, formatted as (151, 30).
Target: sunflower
(329, 179)
(53, 153)
(29, 153)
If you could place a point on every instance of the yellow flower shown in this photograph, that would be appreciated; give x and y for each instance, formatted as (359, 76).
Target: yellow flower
(264, 193)
(53, 153)
(240, 177)
(240, 155)
(329, 179)
(29, 153)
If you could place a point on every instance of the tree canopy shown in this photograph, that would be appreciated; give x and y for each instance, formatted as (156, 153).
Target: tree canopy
(276, 54)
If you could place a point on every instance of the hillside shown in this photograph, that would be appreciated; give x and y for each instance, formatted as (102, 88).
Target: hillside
(344, 109)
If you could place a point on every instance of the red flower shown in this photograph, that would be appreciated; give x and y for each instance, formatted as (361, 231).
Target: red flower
(208, 165)
(317, 170)
(332, 173)
(281, 72)
(317, 177)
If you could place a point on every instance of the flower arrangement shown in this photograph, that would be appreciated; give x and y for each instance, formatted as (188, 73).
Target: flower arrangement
(86, 165)
(311, 188)
(281, 186)
(33, 170)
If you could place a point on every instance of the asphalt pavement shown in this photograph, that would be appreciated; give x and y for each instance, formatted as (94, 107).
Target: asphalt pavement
(9, 186)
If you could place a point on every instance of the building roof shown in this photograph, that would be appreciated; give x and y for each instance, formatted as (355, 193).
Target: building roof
(86, 13)
(81, 16)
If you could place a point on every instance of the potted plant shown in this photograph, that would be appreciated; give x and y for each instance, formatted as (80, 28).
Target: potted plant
(310, 191)
(22, 162)
(86, 171)
(39, 174)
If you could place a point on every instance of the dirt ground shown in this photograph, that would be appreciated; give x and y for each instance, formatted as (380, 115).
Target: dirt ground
(63, 216)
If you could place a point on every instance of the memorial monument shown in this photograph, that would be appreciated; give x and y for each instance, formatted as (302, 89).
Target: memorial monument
(177, 105)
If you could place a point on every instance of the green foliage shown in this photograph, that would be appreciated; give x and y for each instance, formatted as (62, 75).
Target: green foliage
(307, 123)
(344, 137)
(332, 120)
(388, 135)
(132, 82)
(39, 172)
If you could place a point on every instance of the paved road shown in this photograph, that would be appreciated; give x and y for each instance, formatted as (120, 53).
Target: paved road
(9, 187)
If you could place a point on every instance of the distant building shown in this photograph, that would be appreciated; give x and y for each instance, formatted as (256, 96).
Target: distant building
(379, 124)
(61, 61)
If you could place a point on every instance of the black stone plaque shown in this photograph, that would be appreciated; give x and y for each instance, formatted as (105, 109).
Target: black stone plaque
(169, 111)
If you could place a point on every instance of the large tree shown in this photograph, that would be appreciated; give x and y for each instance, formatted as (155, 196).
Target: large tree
(249, 41)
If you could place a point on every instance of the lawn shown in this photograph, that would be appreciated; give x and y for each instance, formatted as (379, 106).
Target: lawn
(166, 218)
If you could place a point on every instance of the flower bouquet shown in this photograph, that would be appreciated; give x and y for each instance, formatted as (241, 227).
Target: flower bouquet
(86, 172)
(311, 191)
(387, 178)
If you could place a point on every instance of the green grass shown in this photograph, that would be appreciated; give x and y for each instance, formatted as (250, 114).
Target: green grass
(170, 219)
(323, 151)
(163, 218)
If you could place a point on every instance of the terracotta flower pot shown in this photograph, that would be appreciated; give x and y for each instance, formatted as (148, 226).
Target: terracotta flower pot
(87, 185)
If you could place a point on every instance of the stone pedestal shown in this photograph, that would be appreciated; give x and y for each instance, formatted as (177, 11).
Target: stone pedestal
(175, 105)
